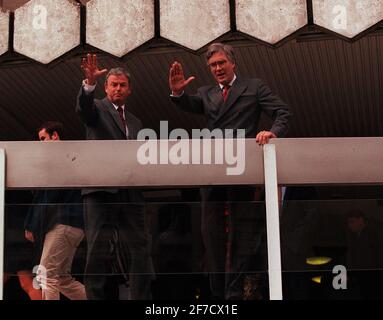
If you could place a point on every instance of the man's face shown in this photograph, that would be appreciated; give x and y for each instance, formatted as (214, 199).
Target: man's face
(355, 224)
(221, 67)
(117, 89)
(45, 136)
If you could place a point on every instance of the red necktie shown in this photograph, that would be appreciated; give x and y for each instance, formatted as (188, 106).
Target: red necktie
(225, 92)
(121, 113)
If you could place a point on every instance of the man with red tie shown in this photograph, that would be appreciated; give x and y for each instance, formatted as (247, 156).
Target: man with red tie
(233, 103)
(107, 211)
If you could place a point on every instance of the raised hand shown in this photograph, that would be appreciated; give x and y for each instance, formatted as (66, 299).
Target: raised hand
(177, 82)
(89, 67)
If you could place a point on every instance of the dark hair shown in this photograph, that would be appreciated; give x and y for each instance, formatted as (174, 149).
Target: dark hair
(51, 126)
(220, 47)
(118, 71)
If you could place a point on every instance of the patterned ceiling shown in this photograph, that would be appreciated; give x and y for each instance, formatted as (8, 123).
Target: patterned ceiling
(333, 84)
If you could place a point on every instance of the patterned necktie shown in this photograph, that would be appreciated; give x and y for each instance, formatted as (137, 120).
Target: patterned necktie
(225, 92)
(121, 113)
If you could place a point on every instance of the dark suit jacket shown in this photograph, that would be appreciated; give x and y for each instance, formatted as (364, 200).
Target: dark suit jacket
(50, 207)
(102, 122)
(246, 100)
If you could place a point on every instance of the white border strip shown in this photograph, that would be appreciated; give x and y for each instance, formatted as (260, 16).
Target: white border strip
(272, 222)
(2, 191)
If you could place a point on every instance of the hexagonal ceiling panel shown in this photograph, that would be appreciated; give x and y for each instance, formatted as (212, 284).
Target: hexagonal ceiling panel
(194, 23)
(119, 26)
(346, 17)
(270, 20)
(46, 29)
(4, 31)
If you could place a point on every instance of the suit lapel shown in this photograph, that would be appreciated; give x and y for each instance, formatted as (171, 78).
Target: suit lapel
(218, 107)
(216, 100)
(114, 113)
(235, 92)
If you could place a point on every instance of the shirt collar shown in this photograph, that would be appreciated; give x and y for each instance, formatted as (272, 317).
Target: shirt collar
(116, 107)
(230, 84)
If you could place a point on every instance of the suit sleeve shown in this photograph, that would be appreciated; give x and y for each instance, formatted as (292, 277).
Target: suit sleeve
(86, 107)
(189, 103)
(276, 109)
(30, 221)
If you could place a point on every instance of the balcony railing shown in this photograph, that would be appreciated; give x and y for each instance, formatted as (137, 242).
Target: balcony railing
(88, 164)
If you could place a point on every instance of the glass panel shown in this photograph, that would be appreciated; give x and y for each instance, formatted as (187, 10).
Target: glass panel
(217, 254)
(332, 241)
(171, 246)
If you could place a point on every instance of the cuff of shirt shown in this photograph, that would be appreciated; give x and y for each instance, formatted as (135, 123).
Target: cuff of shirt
(177, 95)
(87, 87)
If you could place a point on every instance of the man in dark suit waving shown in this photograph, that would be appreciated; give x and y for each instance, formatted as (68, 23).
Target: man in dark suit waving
(109, 210)
(233, 103)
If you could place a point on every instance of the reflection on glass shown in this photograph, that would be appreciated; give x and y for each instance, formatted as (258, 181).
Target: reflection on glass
(318, 234)
(325, 230)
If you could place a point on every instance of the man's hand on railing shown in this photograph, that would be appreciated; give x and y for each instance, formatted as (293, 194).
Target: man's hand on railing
(263, 137)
